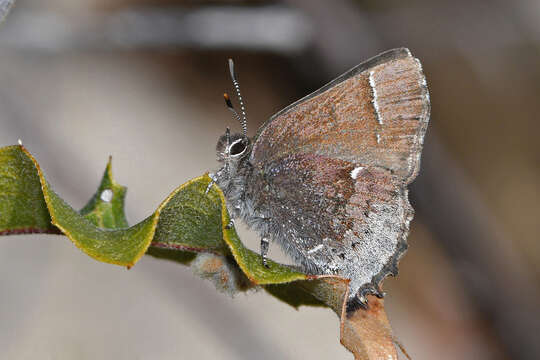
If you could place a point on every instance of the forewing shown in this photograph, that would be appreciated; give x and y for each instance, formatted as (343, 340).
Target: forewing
(376, 114)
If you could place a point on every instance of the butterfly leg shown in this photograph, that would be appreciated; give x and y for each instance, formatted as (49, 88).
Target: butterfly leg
(215, 176)
(213, 180)
(265, 243)
(209, 186)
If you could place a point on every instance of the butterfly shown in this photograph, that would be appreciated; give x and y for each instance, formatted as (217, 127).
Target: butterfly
(326, 177)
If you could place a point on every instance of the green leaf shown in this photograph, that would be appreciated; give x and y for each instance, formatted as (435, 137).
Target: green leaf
(179, 256)
(190, 220)
(251, 264)
(122, 247)
(112, 243)
(106, 208)
(22, 205)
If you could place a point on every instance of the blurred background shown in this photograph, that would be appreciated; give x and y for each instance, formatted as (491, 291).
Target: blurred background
(143, 80)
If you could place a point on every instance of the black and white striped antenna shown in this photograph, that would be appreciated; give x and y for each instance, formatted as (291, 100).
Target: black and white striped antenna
(231, 107)
(243, 118)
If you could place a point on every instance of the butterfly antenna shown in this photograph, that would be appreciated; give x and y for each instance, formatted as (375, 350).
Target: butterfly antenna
(228, 135)
(243, 120)
(231, 107)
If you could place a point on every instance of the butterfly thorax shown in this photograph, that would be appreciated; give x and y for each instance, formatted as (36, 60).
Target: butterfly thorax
(231, 179)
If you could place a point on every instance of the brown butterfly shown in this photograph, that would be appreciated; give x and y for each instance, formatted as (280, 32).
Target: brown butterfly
(326, 177)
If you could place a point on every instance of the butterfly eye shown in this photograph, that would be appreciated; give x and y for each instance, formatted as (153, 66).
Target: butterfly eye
(237, 147)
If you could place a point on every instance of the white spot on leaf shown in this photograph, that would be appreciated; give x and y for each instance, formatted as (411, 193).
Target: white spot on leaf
(106, 195)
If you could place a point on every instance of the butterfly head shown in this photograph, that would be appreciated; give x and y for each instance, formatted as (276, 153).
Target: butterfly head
(231, 148)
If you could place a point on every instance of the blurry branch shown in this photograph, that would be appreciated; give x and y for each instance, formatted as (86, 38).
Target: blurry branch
(5, 6)
(269, 28)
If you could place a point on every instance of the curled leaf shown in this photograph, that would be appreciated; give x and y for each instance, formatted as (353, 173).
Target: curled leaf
(106, 208)
(189, 227)
(22, 204)
(191, 219)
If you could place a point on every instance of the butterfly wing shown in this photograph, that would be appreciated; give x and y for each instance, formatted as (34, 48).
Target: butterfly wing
(333, 217)
(330, 171)
(374, 114)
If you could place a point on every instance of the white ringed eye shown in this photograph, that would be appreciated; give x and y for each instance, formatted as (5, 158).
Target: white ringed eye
(237, 148)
